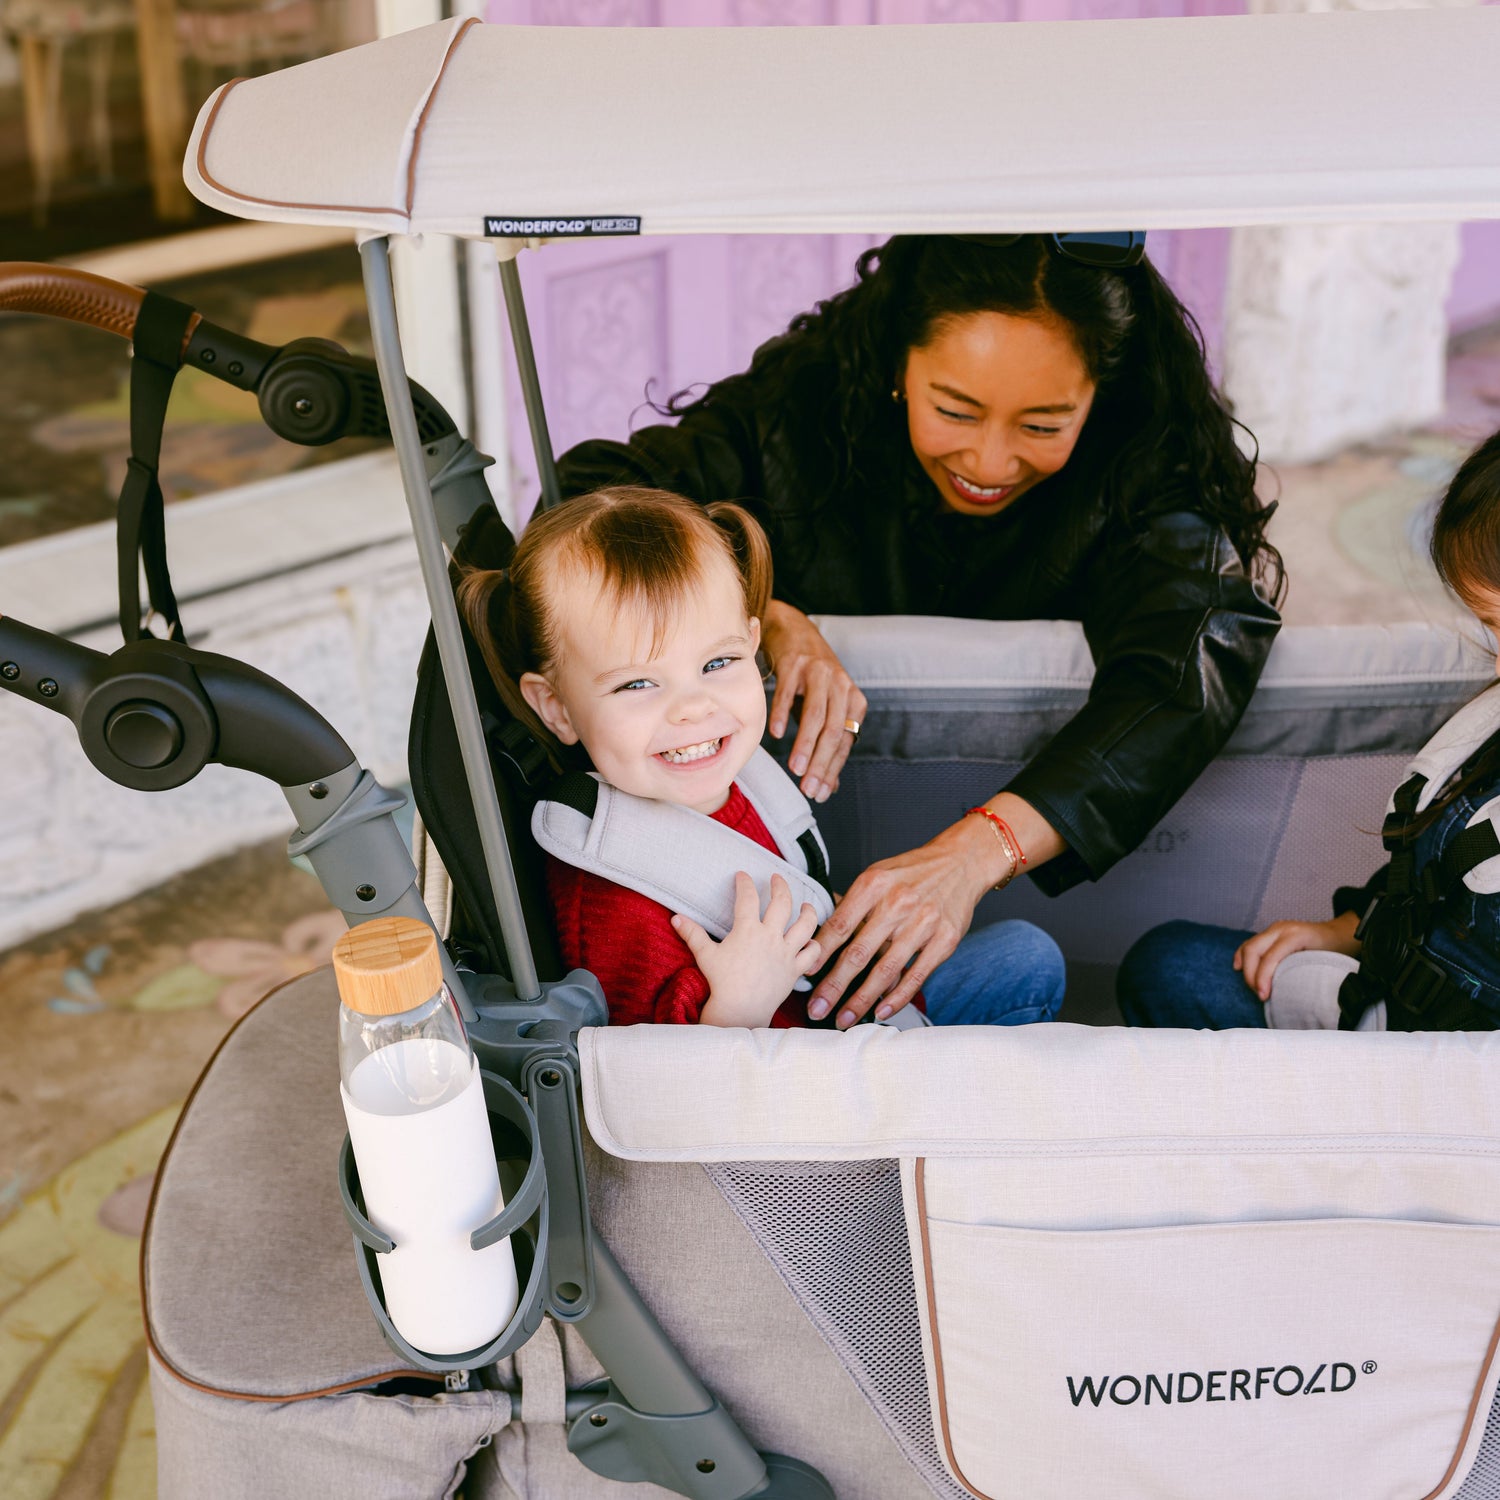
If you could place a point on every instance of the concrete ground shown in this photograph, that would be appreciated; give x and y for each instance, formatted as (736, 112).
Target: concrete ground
(108, 1021)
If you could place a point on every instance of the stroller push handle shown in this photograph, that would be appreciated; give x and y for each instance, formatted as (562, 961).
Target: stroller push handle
(311, 391)
(46, 669)
(153, 714)
(80, 296)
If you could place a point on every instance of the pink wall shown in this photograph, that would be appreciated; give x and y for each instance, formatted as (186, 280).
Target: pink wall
(1475, 298)
(612, 318)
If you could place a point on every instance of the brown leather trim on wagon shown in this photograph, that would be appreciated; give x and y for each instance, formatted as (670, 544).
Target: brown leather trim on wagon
(1463, 1436)
(401, 1372)
(940, 1395)
(201, 160)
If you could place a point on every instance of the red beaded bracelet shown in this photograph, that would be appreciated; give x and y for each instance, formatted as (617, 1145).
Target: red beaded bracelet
(1008, 841)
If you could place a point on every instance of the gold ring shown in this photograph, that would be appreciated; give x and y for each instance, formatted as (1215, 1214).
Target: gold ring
(851, 726)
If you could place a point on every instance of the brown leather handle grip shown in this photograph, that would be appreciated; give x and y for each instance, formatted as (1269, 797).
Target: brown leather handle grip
(61, 292)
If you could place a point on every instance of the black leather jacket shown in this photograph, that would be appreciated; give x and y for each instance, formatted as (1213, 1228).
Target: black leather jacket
(1178, 632)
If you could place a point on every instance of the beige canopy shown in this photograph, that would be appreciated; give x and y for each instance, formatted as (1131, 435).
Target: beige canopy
(1141, 124)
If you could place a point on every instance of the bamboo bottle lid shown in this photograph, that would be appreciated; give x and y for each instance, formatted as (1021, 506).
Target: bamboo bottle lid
(387, 966)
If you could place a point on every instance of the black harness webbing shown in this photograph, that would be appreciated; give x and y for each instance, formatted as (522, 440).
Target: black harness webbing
(1419, 994)
(141, 528)
(576, 789)
(817, 866)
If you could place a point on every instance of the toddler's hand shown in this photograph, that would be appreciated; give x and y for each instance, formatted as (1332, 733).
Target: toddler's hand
(753, 970)
(1259, 957)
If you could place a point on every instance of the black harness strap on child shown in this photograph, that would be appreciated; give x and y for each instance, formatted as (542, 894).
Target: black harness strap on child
(817, 866)
(1419, 994)
(160, 330)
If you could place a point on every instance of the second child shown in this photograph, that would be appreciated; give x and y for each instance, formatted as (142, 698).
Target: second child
(1418, 947)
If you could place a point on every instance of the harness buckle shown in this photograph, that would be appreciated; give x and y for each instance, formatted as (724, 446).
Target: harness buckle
(1419, 983)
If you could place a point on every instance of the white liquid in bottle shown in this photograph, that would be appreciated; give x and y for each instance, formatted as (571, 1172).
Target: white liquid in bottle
(420, 1133)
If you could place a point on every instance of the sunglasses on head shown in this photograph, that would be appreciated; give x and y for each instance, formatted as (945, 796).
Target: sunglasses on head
(1112, 249)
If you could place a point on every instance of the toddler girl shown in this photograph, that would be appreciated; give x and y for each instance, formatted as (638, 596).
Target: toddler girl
(628, 623)
(1425, 931)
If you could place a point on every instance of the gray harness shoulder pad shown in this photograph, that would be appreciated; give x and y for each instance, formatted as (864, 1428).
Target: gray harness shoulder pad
(684, 859)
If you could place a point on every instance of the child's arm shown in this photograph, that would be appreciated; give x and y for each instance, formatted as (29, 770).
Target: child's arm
(752, 971)
(1259, 957)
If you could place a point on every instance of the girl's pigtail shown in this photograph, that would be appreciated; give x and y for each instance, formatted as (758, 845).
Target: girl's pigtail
(492, 608)
(752, 553)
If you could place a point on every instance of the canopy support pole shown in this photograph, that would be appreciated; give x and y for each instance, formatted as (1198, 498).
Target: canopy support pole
(531, 385)
(380, 295)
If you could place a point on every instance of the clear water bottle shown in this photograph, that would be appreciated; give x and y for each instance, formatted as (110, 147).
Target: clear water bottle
(421, 1138)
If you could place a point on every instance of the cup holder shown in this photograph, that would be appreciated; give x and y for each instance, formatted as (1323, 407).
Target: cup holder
(523, 1219)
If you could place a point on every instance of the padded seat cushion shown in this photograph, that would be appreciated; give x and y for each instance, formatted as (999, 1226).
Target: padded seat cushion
(248, 1270)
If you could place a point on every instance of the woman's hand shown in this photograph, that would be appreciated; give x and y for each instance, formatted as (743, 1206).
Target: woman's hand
(806, 667)
(909, 913)
(1259, 957)
(753, 970)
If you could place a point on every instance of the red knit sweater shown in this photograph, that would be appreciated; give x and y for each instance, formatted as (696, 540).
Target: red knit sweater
(626, 939)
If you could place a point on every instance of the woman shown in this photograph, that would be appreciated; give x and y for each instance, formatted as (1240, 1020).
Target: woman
(990, 427)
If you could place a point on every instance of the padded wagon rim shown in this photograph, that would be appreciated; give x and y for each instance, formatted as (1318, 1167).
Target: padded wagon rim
(157, 1353)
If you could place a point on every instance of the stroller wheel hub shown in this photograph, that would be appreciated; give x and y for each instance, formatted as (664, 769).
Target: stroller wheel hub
(144, 735)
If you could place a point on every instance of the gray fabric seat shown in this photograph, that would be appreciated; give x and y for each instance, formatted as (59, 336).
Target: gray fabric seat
(1290, 810)
(246, 1231)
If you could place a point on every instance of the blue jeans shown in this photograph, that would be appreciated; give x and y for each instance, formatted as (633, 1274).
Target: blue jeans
(1007, 974)
(1183, 974)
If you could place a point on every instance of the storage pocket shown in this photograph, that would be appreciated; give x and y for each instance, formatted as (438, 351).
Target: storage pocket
(1270, 1360)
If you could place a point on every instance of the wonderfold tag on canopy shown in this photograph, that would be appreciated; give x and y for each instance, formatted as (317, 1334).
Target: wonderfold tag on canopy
(555, 227)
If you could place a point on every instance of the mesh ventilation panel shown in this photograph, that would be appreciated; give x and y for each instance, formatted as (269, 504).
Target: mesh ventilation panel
(1483, 1482)
(836, 1233)
(1332, 834)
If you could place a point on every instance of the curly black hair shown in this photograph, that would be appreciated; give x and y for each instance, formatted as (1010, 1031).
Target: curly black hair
(1139, 344)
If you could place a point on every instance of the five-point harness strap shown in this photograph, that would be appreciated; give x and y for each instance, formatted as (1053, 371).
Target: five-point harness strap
(1420, 995)
(160, 330)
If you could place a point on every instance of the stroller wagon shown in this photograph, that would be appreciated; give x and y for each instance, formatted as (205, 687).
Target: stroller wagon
(1062, 1261)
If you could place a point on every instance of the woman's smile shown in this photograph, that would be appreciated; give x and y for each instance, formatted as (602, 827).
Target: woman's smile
(978, 494)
